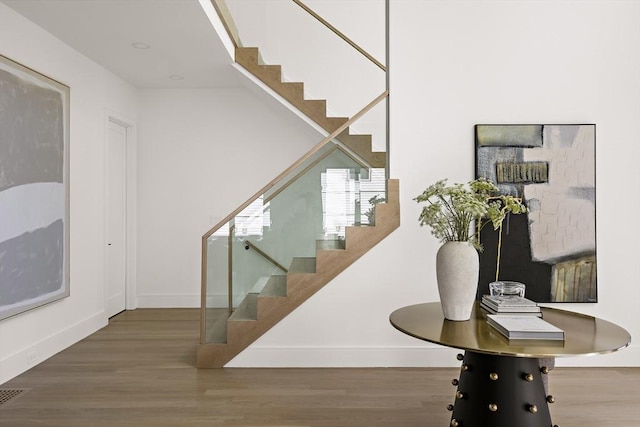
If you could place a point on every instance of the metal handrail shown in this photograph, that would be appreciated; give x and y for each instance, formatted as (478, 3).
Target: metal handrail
(232, 230)
(249, 245)
(341, 35)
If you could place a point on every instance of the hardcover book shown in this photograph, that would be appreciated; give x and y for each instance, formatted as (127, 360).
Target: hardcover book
(510, 304)
(524, 327)
(510, 311)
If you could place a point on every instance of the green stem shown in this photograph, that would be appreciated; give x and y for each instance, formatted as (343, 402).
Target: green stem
(499, 250)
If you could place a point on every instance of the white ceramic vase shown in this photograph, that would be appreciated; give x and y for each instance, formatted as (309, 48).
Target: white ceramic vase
(457, 267)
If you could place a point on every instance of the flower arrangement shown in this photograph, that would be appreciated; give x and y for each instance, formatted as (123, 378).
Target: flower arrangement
(451, 210)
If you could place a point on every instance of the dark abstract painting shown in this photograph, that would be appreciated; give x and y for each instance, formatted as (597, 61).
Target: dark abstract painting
(34, 134)
(552, 248)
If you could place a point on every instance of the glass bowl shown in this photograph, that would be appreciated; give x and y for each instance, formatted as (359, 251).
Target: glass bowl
(505, 288)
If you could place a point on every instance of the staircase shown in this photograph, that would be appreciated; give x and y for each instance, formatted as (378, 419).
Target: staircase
(315, 109)
(282, 294)
(277, 294)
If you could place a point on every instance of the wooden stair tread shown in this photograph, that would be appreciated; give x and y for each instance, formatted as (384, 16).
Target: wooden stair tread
(330, 244)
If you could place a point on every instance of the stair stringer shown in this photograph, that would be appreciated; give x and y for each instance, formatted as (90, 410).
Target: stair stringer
(301, 286)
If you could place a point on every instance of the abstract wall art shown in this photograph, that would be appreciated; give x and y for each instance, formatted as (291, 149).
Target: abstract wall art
(552, 248)
(34, 189)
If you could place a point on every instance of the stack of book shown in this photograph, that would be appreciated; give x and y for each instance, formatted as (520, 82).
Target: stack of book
(512, 305)
(524, 327)
(518, 318)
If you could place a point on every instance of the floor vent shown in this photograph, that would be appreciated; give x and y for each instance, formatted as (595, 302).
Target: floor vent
(7, 395)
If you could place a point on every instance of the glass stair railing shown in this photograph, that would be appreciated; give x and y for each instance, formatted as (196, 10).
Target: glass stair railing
(310, 209)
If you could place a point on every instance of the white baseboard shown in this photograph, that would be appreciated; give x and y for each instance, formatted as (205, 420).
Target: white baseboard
(352, 357)
(436, 357)
(26, 358)
(299, 357)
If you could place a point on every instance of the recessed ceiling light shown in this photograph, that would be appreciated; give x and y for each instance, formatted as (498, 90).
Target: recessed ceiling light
(140, 45)
(176, 77)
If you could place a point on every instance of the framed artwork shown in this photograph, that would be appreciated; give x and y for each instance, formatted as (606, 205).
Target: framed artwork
(34, 189)
(552, 248)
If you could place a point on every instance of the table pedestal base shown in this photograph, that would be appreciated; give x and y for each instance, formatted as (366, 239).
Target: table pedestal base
(500, 391)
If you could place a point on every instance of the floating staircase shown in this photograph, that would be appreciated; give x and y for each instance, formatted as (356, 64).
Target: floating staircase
(282, 294)
(276, 296)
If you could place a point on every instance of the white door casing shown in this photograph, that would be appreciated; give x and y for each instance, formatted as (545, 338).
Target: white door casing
(116, 219)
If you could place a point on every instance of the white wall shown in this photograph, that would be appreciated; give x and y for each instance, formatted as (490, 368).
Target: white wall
(43, 332)
(202, 153)
(455, 64)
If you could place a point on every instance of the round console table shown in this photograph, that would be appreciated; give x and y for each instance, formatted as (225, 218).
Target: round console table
(500, 382)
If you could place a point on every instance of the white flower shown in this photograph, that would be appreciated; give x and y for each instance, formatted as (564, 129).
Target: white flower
(451, 210)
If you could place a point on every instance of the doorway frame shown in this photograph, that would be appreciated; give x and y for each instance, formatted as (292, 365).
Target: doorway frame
(131, 300)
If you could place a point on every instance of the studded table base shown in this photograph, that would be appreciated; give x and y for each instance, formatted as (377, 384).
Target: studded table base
(500, 391)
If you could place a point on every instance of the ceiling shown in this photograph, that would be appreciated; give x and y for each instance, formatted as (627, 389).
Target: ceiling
(184, 49)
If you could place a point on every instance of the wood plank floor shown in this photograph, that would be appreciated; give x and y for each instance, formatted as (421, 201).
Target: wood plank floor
(139, 371)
